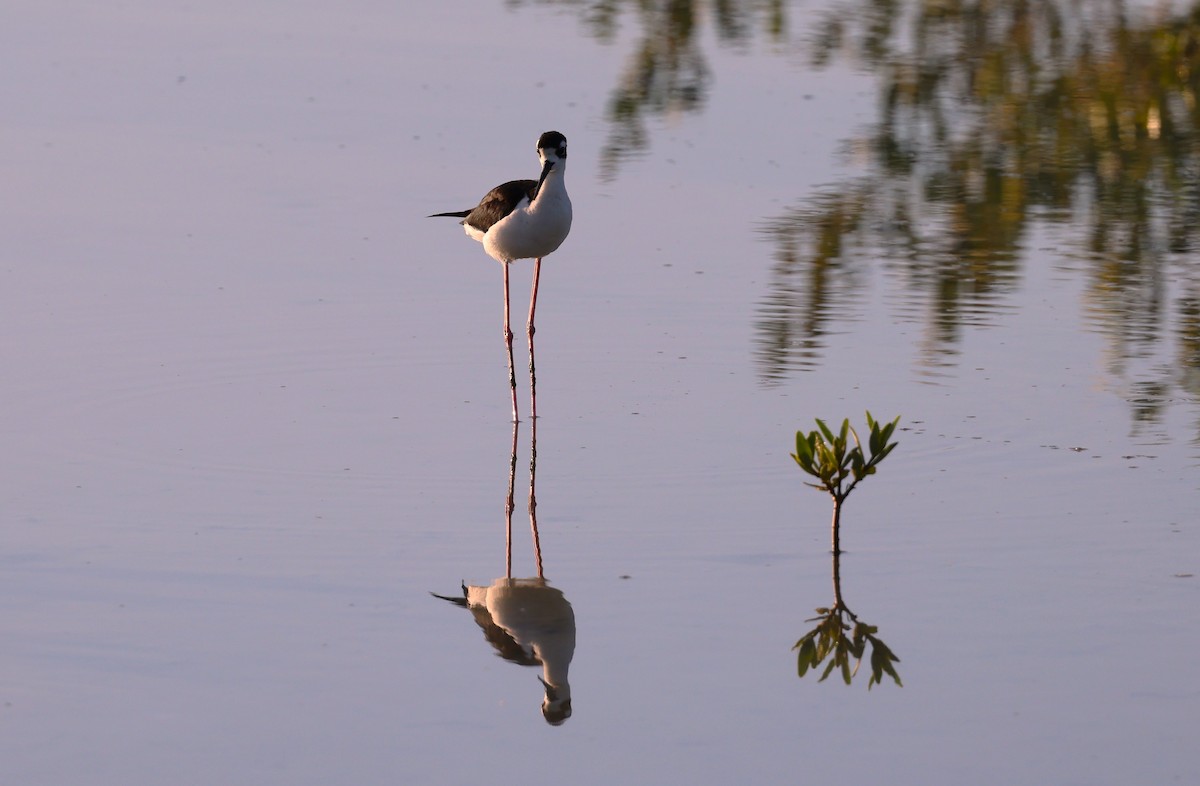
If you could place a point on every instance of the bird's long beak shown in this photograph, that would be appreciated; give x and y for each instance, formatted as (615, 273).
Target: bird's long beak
(546, 167)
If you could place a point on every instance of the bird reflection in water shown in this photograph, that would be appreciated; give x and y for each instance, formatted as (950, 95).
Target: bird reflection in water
(839, 636)
(526, 620)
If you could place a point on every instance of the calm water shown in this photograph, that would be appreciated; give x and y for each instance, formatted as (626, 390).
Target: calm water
(255, 406)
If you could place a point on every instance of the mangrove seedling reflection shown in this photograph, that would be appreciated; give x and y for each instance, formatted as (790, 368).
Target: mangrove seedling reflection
(839, 636)
(829, 458)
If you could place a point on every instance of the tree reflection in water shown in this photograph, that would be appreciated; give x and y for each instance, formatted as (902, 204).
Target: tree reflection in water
(997, 118)
(666, 72)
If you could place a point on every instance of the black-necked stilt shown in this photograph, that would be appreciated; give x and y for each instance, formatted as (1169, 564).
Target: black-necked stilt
(526, 620)
(529, 623)
(524, 219)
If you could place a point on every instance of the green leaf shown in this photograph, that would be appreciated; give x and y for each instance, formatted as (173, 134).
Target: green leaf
(857, 462)
(804, 448)
(807, 657)
(823, 455)
(839, 444)
(806, 637)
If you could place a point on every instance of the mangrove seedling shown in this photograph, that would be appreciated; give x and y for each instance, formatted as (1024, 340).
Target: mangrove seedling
(838, 466)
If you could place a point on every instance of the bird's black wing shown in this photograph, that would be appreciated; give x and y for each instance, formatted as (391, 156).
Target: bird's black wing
(499, 202)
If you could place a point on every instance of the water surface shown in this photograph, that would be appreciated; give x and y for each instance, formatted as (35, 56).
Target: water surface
(255, 402)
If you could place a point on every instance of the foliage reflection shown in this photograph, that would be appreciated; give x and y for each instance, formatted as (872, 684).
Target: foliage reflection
(666, 72)
(841, 636)
(998, 119)
(1076, 121)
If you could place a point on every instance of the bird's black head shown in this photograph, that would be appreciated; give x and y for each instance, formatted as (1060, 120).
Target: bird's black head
(552, 140)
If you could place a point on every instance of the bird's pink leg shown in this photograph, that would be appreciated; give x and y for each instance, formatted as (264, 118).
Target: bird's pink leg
(533, 525)
(537, 265)
(509, 505)
(508, 339)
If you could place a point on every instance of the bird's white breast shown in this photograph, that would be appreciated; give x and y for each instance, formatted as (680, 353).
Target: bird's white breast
(532, 230)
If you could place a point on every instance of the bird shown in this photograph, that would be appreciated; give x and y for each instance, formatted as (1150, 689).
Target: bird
(530, 623)
(523, 219)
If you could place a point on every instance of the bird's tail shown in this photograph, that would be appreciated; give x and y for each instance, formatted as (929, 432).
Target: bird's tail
(457, 601)
(462, 214)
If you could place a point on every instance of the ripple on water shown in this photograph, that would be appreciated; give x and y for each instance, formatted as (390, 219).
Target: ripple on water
(262, 408)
